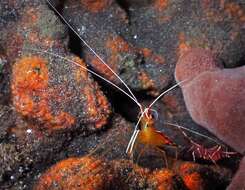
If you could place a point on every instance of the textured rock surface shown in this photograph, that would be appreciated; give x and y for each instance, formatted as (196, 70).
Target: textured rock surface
(49, 97)
(21, 160)
(4, 78)
(7, 120)
(197, 177)
(44, 88)
(149, 39)
(121, 174)
(77, 173)
(40, 91)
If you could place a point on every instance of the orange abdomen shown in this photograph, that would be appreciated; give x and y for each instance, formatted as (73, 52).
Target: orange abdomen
(150, 136)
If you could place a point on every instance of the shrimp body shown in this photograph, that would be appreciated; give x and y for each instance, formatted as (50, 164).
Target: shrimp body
(149, 135)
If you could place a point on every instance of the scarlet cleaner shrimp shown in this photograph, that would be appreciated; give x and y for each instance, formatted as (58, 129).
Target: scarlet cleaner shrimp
(214, 153)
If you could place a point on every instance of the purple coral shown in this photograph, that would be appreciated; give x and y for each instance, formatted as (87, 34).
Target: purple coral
(214, 97)
(238, 181)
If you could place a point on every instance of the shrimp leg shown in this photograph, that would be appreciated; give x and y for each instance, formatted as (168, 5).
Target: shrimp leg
(164, 156)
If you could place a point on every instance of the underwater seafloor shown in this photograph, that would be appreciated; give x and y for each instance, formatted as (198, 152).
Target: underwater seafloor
(62, 127)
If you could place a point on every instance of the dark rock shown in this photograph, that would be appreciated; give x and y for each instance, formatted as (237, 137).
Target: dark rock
(137, 33)
(7, 120)
(77, 173)
(123, 174)
(196, 176)
(4, 79)
(24, 158)
(45, 88)
(110, 143)
(135, 65)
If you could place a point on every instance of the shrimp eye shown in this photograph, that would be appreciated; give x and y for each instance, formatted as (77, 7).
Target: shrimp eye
(153, 114)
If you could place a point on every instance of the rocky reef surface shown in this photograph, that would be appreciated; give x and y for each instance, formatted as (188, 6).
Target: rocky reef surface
(62, 127)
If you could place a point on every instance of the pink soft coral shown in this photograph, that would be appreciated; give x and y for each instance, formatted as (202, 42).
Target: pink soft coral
(215, 97)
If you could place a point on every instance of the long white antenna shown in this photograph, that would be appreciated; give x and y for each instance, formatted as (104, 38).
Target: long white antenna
(133, 141)
(91, 49)
(166, 91)
(134, 136)
(135, 133)
(191, 131)
(85, 68)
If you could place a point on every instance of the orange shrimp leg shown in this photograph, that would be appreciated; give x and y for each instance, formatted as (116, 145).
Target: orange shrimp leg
(164, 156)
(141, 153)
